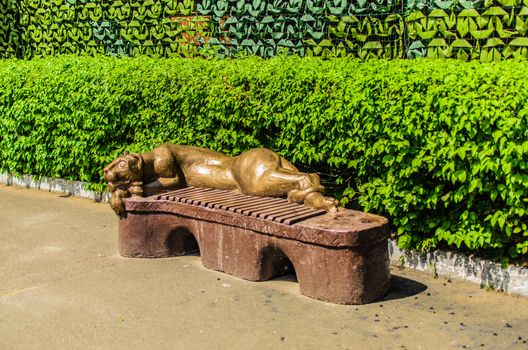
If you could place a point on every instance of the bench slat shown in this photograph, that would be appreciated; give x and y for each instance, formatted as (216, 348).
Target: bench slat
(268, 208)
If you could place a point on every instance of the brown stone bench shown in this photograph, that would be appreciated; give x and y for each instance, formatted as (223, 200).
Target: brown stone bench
(341, 258)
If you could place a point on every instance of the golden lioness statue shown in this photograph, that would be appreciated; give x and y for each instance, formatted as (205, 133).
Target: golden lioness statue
(258, 172)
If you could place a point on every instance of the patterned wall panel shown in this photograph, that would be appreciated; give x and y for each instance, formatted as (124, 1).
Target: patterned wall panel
(9, 35)
(483, 30)
(153, 27)
(465, 29)
(306, 27)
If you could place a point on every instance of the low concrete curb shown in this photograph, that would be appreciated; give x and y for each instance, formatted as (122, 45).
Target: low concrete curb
(72, 188)
(512, 280)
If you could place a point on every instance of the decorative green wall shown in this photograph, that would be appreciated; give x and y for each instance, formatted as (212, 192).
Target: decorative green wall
(475, 29)
(9, 36)
(156, 28)
(465, 29)
(327, 28)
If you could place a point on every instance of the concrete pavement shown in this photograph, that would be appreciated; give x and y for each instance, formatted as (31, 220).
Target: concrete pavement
(63, 286)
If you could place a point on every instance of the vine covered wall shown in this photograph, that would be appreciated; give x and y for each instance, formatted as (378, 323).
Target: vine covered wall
(483, 30)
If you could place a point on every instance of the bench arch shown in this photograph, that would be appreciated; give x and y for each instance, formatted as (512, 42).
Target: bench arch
(274, 262)
(181, 241)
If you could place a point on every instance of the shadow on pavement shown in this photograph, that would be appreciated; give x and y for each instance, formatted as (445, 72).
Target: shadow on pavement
(402, 287)
(290, 277)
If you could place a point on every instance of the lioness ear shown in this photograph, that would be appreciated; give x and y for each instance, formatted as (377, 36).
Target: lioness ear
(126, 153)
(135, 160)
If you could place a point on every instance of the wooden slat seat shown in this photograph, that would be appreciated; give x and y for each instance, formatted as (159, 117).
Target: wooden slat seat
(274, 209)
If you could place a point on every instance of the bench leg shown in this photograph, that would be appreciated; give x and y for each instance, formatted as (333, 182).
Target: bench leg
(343, 276)
(230, 249)
(155, 236)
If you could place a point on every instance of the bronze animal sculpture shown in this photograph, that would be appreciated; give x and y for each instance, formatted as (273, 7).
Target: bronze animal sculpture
(258, 172)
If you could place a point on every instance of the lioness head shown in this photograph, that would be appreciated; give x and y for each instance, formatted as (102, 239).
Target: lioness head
(124, 170)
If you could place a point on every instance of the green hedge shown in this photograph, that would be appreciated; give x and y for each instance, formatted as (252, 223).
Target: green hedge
(441, 147)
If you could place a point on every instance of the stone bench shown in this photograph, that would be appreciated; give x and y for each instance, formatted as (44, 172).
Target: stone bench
(340, 258)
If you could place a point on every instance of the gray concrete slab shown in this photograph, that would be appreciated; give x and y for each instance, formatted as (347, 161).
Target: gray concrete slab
(63, 286)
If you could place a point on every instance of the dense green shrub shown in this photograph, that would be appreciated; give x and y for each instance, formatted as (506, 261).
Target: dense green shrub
(440, 147)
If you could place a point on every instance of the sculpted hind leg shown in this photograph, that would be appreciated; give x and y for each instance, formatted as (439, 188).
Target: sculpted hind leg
(311, 192)
(299, 188)
(285, 164)
(308, 182)
(277, 182)
(262, 172)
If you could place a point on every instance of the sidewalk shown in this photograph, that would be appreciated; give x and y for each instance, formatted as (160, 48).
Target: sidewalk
(63, 286)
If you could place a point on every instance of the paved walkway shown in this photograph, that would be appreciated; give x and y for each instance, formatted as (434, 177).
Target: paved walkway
(62, 286)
